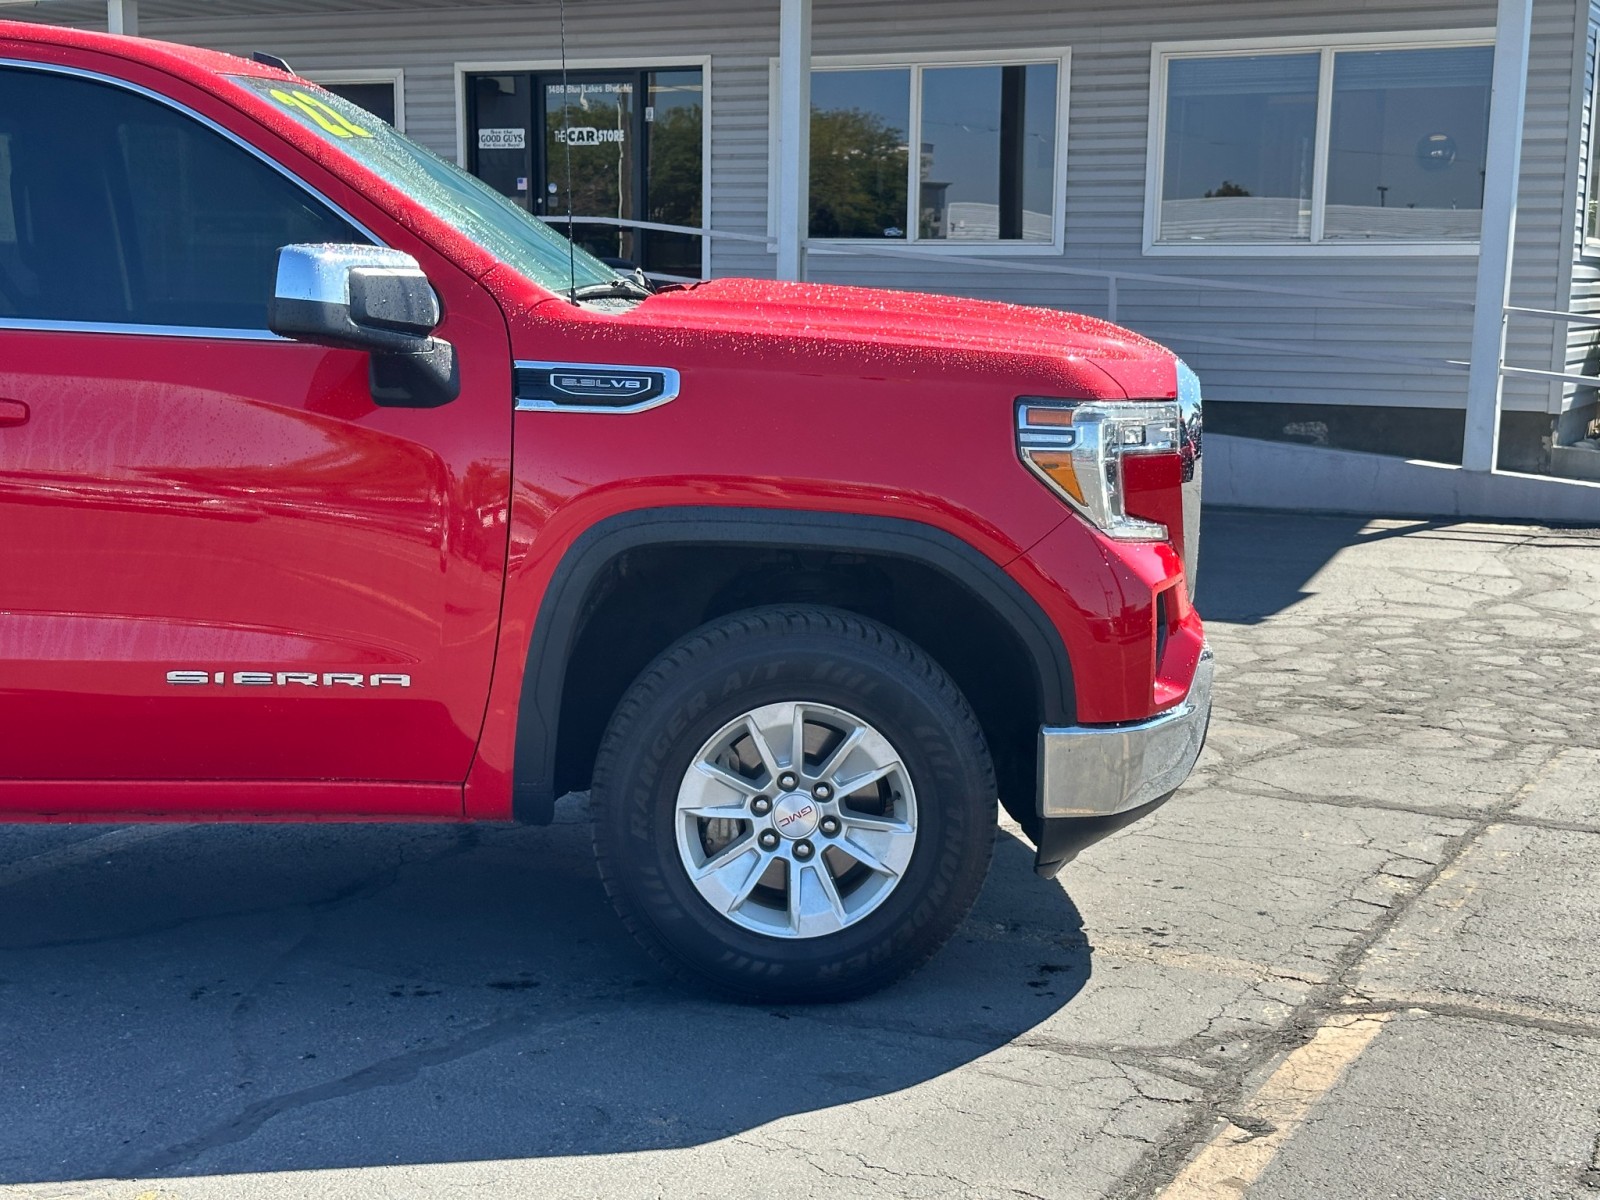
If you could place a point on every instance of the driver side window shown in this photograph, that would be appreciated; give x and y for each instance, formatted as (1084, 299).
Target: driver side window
(117, 209)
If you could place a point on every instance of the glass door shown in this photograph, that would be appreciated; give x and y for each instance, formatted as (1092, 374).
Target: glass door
(500, 145)
(591, 146)
(628, 143)
(674, 178)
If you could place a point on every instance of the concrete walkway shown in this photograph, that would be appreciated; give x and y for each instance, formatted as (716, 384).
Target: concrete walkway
(1356, 958)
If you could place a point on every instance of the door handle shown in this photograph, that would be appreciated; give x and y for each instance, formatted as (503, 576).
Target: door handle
(13, 412)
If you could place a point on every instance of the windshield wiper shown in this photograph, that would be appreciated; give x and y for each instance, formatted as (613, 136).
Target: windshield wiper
(623, 287)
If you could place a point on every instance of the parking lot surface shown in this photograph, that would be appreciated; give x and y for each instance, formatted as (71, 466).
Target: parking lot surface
(1356, 957)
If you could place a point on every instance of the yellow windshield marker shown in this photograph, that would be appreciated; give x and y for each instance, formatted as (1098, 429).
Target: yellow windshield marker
(294, 101)
(319, 106)
(320, 113)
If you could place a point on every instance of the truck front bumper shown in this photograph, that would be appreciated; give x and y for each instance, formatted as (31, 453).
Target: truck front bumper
(1093, 780)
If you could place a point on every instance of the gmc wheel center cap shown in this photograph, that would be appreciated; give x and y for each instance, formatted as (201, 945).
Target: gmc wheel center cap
(795, 816)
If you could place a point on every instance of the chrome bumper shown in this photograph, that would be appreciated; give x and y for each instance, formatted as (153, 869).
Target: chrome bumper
(1089, 771)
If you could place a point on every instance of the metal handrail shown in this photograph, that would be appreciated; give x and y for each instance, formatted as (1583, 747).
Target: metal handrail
(1551, 376)
(1306, 350)
(699, 231)
(1037, 268)
(1552, 314)
(1113, 277)
(1562, 316)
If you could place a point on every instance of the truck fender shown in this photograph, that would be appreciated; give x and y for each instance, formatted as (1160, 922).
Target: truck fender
(565, 601)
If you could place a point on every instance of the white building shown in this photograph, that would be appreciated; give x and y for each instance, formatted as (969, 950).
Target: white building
(1311, 203)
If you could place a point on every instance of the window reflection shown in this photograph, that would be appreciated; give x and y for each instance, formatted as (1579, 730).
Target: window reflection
(633, 141)
(1240, 147)
(376, 98)
(859, 153)
(589, 127)
(674, 190)
(1402, 160)
(1408, 144)
(1591, 215)
(988, 141)
(985, 144)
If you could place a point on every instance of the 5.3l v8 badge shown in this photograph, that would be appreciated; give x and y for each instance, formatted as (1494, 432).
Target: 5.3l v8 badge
(592, 387)
(600, 384)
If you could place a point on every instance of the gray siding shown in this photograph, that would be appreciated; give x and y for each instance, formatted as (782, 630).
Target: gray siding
(1105, 203)
(1110, 84)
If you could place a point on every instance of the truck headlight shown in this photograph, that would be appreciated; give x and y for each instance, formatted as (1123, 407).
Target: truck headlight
(1078, 448)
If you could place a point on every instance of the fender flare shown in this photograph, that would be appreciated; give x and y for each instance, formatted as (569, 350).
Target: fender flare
(559, 620)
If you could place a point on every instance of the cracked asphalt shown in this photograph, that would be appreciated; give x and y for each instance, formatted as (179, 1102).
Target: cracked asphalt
(1396, 827)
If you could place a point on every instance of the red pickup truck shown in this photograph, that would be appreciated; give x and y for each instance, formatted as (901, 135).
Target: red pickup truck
(334, 486)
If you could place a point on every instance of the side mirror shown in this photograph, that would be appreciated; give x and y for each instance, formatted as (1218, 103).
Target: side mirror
(374, 299)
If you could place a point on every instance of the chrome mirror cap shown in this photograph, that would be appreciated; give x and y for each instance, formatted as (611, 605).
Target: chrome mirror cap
(353, 297)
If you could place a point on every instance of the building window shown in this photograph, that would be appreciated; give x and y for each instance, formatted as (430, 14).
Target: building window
(1591, 165)
(381, 93)
(859, 154)
(1239, 150)
(1333, 147)
(958, 153)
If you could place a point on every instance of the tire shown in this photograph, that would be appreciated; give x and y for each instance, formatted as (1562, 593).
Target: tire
(858, 889)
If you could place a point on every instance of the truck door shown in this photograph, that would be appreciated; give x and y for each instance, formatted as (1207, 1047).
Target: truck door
(219, 559)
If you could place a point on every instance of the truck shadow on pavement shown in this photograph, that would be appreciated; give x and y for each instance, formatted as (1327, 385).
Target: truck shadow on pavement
(190, 1000)
(1254, 564)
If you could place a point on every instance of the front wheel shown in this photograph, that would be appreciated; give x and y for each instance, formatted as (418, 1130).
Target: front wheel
(793, 804)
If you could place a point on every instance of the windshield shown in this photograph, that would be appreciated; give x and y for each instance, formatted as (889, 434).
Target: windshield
(462, 201)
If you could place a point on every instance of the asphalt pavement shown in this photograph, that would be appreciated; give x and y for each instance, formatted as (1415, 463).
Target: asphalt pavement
(1356, 957)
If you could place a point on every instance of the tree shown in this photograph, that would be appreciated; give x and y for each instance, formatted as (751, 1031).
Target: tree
(675, 167)
(858, 174)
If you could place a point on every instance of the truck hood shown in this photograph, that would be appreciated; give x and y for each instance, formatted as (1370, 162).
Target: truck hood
(915, 321)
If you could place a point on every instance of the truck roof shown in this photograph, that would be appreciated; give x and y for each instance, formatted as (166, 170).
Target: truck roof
(187, 62)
